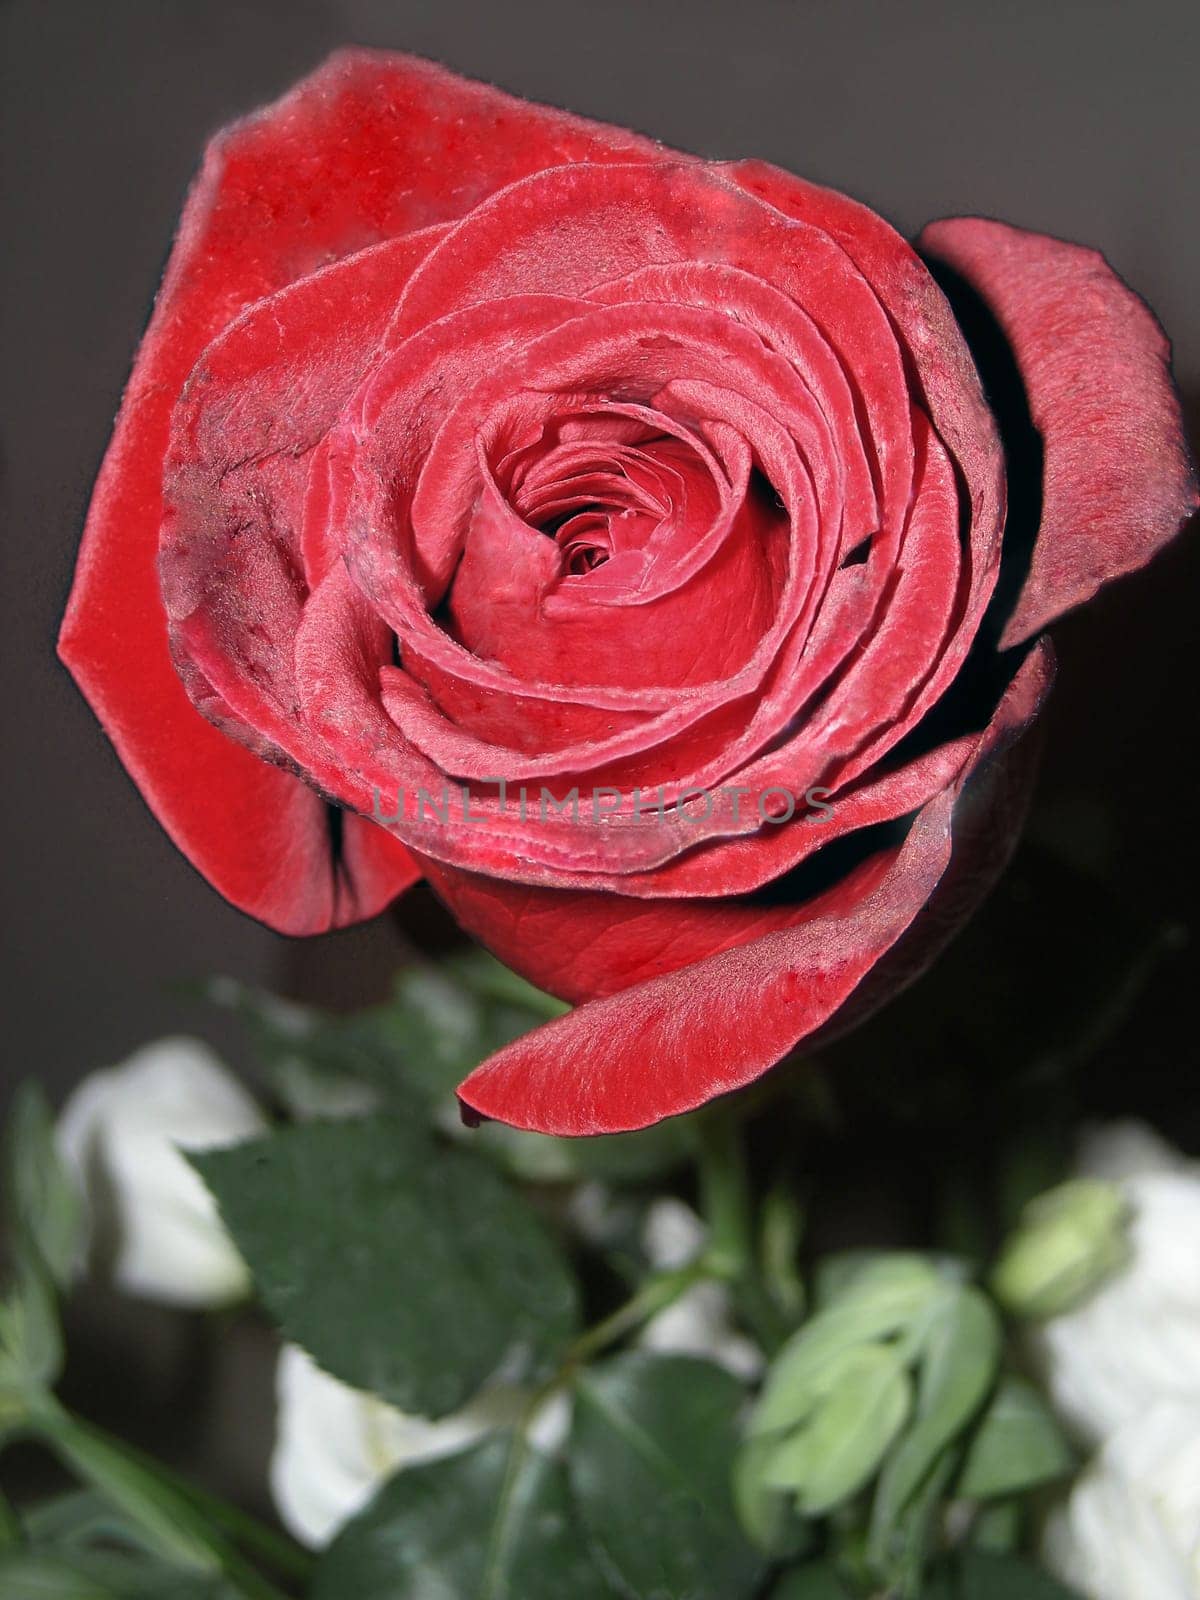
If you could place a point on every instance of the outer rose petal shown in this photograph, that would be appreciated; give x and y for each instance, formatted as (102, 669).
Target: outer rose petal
(1118, 481)
(669, 1044)
(370, 147)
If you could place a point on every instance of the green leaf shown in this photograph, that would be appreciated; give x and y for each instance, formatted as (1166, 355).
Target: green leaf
(999, 1526)
(913, 1536)
(651, 1462)
(493, 1523)
(984, 1576)
(940, 1584)
(768, 1516)
(871, 1273)
(42, 1575)
(442, 1030)
(404, 1268)
(781, 1230)
(839, 1450)
(412, 1052)
(879, 1300)
(480, 972)
(959, 1357)
(410, 1049)
(165, 1520)
(45, 1207)
(31, 1349)
(622, 1158)
(100, 1575)
(817, 1581)
(78, 1517)
(1016, 1446)
(10, 1528)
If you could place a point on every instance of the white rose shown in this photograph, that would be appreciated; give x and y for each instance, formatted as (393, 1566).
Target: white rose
(334, 1445)
(121, 1133)
(1136, 1340)
(1130, 1529)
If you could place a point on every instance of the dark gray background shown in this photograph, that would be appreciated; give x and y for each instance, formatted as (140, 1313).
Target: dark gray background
(1076, 118)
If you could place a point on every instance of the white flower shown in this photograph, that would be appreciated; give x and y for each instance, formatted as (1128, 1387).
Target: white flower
(121, 1133)
(698, 1323)
(1131, 1527)
(1136, 1340)
(335, 1445)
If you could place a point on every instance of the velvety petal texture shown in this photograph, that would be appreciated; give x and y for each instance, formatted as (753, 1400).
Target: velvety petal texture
(1117, 479)
(608, 535)
(370, 147)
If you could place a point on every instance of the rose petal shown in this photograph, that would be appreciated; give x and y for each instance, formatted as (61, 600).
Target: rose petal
(938, 359)
(1117, 480)
(369, 147)
(670, 1043)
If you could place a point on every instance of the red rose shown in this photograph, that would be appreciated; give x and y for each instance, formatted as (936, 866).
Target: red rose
(472, 442)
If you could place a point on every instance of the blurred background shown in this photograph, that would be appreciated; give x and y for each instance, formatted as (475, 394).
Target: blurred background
(1073, 118)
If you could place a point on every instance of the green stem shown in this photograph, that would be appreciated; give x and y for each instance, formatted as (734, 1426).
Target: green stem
(655, 1295)
(276, 1549)
(725, 1193)
(10, 1527)
(173, 1517)
(727, 1205)
(781, 1232)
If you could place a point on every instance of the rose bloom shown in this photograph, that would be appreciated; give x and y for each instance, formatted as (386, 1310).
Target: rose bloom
(471, 441)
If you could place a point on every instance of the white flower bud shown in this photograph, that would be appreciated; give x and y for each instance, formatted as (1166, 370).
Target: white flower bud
(1131, 1526)
(1136, 1340)
(121, 1133)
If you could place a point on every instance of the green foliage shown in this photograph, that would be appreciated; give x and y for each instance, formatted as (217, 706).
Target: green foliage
(835, 1397)
(650, 1462)
(877, 1300)
(816, 1581)
(492, 1523)
(410, 1053)
(983, 1576)
(404, 1268)
(959, 1354)
(31, 1352)
(848, 1432)
(883, 1382)
(1017, 1446)
(33, 1574)
(45, 1212)
(410, 1260)
(45, 1223)
(770, 1518)
(973, 1575)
